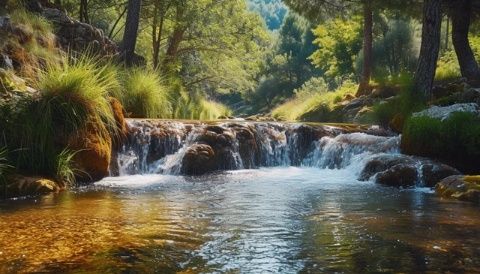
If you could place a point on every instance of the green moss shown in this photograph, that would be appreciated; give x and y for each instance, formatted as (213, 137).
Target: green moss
(455, 140)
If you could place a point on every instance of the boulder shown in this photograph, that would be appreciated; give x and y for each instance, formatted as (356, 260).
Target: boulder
(465, 188)
(401, 175)
(26, 186)
(433, 172)
(444, 113)
(199, 159)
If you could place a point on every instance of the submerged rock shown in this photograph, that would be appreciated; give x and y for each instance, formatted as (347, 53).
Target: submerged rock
(465, 188)
(26, 186)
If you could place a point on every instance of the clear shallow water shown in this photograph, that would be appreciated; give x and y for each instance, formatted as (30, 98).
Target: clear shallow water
(278, 220)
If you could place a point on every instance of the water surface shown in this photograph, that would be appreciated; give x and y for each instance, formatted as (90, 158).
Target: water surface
(274, 220)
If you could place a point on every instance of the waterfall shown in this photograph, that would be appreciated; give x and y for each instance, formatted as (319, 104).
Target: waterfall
(174, 147)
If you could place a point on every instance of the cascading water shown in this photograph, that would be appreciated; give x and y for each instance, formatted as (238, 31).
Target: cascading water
(166, 147)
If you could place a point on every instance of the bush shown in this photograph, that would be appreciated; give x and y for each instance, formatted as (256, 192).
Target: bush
(310, 99)
(455, 140)
(144, 95)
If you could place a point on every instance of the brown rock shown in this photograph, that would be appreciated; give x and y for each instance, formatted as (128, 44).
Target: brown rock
(400, 175)
(199, 159)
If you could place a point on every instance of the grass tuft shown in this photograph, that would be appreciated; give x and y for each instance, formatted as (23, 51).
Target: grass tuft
(145, 95)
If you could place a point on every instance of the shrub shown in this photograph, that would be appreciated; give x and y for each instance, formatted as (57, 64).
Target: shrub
(144, 95)
(400, 107)
(455, 140)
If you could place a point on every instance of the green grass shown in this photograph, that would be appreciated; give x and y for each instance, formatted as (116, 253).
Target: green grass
(64, 167)
(302, 104)
(5, 167)
(33, 22)
(144, 95)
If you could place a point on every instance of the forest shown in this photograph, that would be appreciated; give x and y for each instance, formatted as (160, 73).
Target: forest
(239, 136)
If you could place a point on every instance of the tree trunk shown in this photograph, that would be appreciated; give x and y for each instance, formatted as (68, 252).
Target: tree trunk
(461, 13)
(157, 31)
(131, 31)
(364, 87)
(447, 33)
(427, 61)
(84, 11)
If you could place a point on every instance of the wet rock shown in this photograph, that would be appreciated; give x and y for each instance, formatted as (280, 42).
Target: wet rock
(382, 163)
(465, 188)
(302, 140)
(247, 145)
(199, 159)
(433, 172)
(387, 168)
(444, 113)
(25, 186)
(401, 175)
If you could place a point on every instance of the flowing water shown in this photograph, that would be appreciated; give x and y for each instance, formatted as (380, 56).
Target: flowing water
(314, 217)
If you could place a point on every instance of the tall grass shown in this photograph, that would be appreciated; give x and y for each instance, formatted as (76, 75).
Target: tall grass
(73, 93)
(303, 103)
(144, 95)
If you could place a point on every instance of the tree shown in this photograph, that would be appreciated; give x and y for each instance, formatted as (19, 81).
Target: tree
(430, 47)
(363, 88)
(460, 13)
(131, 31)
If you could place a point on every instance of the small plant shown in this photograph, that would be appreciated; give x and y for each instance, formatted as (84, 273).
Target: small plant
(65, 172)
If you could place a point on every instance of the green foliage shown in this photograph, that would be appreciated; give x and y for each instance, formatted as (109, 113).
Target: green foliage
(272, 11)
(402, 106)
(145, 95)
(312, 97)
(394, 50)
(338, 41)
(286, 67)
(447, 65)
(456, 139)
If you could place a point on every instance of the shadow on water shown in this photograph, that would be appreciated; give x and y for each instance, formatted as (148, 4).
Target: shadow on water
(280, 220)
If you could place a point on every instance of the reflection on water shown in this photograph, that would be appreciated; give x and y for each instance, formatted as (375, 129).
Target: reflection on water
(282, 220)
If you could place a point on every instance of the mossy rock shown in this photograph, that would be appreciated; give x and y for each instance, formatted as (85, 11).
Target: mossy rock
(19, 185)
(465, 188)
